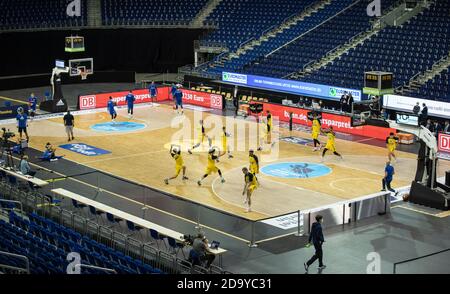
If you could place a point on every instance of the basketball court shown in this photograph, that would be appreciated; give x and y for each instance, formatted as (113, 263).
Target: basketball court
(292, 176)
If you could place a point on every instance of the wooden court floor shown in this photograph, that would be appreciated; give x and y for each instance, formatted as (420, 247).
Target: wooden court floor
(143, 156)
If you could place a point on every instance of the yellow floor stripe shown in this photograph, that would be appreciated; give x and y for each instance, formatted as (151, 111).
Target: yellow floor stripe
(14, 100)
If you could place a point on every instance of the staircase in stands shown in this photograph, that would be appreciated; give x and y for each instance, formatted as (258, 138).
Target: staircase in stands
(265, 37)
(94, 11)
(203, 14)
(421, 79)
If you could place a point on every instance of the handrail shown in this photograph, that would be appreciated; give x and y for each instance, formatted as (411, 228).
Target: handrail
(79, 266)
(245, 42)
(13, 201)
(320, 24)
(269, 29)
(22, 257)
(417, 258)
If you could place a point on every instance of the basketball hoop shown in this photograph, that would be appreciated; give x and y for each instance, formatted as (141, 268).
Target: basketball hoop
(82, 72)
(83, 75)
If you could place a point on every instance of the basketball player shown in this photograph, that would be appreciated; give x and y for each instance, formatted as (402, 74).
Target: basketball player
(225, 146)
(315, 131)
(268, 135)
(254, 163)
(178, 97)
(250, 186)
(153, 91)
(211, 167)
(179, 164)
(32, 102)
(111, 109)
(202, 137)
(22, 123)
(391, 144)
(130, 103)
(330, 143)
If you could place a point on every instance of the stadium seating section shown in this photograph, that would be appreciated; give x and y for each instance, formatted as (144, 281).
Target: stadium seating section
(239, 21)
(148, 12)
(315, 44)
(438, 88)
(404, 50)
(282, 38)
(25, 14)
(47, 245)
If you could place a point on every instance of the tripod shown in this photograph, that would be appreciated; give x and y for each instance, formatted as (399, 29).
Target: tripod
(9, 160)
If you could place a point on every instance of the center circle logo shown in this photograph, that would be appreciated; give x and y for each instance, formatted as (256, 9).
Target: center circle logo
(296, 170)
(118, 127)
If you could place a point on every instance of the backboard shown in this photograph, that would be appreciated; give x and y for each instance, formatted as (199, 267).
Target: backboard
(85, 65)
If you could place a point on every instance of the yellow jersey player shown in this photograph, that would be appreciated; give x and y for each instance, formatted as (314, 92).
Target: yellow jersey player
(391, 144)
(268, 136)
(202, 136)
(250, 186)
(211, 167)
(315, 131)
(254, 162)
(179, 164)
(331, 145)
(225, 146)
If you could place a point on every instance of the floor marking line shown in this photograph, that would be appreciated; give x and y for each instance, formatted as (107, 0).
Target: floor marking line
(415, 210)
(125, 156)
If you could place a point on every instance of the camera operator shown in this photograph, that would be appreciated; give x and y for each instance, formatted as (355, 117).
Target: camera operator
(201, 247)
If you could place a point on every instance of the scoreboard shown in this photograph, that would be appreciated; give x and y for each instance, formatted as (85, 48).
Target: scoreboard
(378, 83)
(74, 44)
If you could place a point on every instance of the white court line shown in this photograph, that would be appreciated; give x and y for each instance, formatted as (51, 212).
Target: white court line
(331, 184)
(125, 156)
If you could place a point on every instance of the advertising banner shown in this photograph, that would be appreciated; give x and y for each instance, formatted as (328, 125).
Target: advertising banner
(202, 99)
(340, 123)
(101, 100)
(289, 86)
(403, 103)
(444, 143)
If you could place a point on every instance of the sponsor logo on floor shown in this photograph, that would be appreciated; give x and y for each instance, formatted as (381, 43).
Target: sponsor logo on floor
(297, 140)
(285, 222)
(84, 149)
(121, 127)
(296, 170)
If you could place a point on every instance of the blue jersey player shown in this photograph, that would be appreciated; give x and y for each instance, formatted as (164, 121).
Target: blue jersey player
(173, 90)
(22, 123)
(130, 103)
(153, 91)
(32, 102)
(111, 109)
(178, 96)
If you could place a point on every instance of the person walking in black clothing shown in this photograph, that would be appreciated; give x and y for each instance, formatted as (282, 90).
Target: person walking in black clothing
(69, 124)
(316, 238)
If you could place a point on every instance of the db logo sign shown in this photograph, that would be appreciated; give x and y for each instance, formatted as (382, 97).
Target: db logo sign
(444, 143)
(216, 101)
(88, 102)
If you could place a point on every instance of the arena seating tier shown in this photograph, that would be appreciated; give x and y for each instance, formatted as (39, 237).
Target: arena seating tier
(405, 50)
(241, 20)
(315, 44)
(47, 245)
(25, 14)
(149, 12)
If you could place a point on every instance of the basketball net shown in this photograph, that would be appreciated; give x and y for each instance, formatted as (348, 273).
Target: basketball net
(83, 74)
